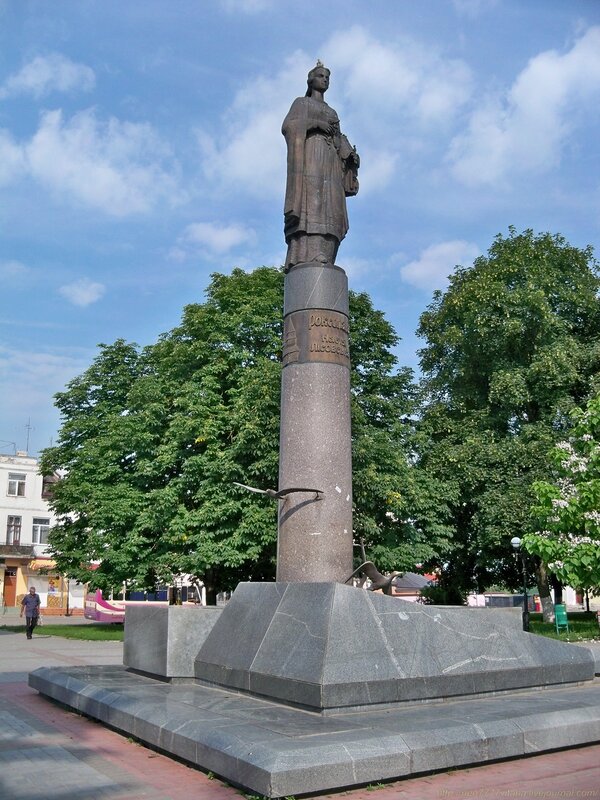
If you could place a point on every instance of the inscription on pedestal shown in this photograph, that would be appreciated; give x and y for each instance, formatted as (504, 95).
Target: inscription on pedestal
(316, 335)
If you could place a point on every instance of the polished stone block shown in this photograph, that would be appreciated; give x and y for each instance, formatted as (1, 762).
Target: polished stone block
(328, 646)
(353, 659)
(316, 286)
(277, 751)
(165, 640)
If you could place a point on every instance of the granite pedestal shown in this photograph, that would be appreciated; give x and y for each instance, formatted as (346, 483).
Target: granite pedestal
(325, 646)
(310, 687)
(277, 751)
(164, 640)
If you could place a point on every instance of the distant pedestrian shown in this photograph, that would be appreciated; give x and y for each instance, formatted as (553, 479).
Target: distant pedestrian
(30, 604)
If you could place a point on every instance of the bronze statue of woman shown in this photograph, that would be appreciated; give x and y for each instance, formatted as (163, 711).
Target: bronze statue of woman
(322, 171)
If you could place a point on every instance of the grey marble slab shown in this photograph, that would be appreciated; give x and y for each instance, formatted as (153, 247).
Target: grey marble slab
(328, 646)
(241, 632)
(316, 286)
(165, 640)
(276, 750)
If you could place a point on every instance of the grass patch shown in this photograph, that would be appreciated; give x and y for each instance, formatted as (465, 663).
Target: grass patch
(583, 626)
(97, 631)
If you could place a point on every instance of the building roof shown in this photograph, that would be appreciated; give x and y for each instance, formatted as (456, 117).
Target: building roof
(410, 580)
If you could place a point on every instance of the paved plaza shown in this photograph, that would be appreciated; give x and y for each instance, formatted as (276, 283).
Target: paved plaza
(49, 753)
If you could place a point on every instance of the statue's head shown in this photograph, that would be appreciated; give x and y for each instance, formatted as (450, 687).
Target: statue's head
(319, 74)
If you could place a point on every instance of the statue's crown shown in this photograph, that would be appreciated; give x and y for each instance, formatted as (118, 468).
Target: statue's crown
(318, 65)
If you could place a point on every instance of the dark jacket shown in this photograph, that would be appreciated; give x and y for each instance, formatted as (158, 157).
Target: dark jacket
(31, 603)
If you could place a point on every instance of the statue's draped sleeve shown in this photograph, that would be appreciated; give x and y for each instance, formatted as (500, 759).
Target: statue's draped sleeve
(294, 129)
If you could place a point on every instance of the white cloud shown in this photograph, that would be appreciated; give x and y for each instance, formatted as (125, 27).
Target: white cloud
(14, 273)
(39, 367)
(83, 292)
(235, 164)
(12, 158)
(246, 6)
(118, 167)
(49, 73)
(431, 269)
(212, 239)
(526, 129)
(35, 377)
(359, 268)
(251, 130)
(409, 85)
(379, 169)
(405, 78)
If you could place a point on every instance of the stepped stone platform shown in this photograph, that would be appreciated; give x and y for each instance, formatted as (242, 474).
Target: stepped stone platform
(304, 688)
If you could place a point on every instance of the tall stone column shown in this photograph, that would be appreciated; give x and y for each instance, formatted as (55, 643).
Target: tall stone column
(315, 535)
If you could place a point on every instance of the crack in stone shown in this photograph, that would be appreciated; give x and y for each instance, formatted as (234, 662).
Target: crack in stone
(531, 745)
(350, 756)
(301, 622)
(386, 644)
(474, 660)
(314, 289)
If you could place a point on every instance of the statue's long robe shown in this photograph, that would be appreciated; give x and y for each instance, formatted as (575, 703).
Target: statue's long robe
(315, 201)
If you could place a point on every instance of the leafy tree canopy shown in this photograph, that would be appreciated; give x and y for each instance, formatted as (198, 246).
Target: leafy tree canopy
(516, 335)
(568, 507)
(512, 347)
(152, 440)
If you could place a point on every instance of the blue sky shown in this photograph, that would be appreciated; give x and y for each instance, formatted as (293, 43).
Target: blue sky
(140, 151)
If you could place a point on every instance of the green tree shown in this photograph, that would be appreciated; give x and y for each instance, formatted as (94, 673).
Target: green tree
(568, 507)
(93, 443)
(511, 348)
(400, 511)
(150, 448)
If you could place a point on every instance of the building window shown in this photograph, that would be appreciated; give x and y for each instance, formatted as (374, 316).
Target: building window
(48, 483)
(16, 484)
(13, 530)
(40, 530)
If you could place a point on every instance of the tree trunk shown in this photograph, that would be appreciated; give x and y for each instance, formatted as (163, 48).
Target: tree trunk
(543, 582)
(210, 585)
(211, 595)
(558, 589)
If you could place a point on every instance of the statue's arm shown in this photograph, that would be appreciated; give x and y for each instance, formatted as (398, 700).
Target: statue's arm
(347, 152)
(296, 120)
(351, 162)
(294, 129)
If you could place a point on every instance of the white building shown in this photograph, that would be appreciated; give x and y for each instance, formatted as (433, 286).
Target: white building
(25, 520)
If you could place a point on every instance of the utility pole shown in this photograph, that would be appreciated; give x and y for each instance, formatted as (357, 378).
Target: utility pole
(28, 428)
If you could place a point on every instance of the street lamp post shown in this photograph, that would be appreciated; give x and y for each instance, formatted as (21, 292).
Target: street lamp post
(516, 544)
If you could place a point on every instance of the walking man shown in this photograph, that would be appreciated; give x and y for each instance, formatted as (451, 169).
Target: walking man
(30, 604)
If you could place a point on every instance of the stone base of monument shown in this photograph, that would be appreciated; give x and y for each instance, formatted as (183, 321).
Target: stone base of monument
(326, 646)
(164, 640)
(309, 687)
